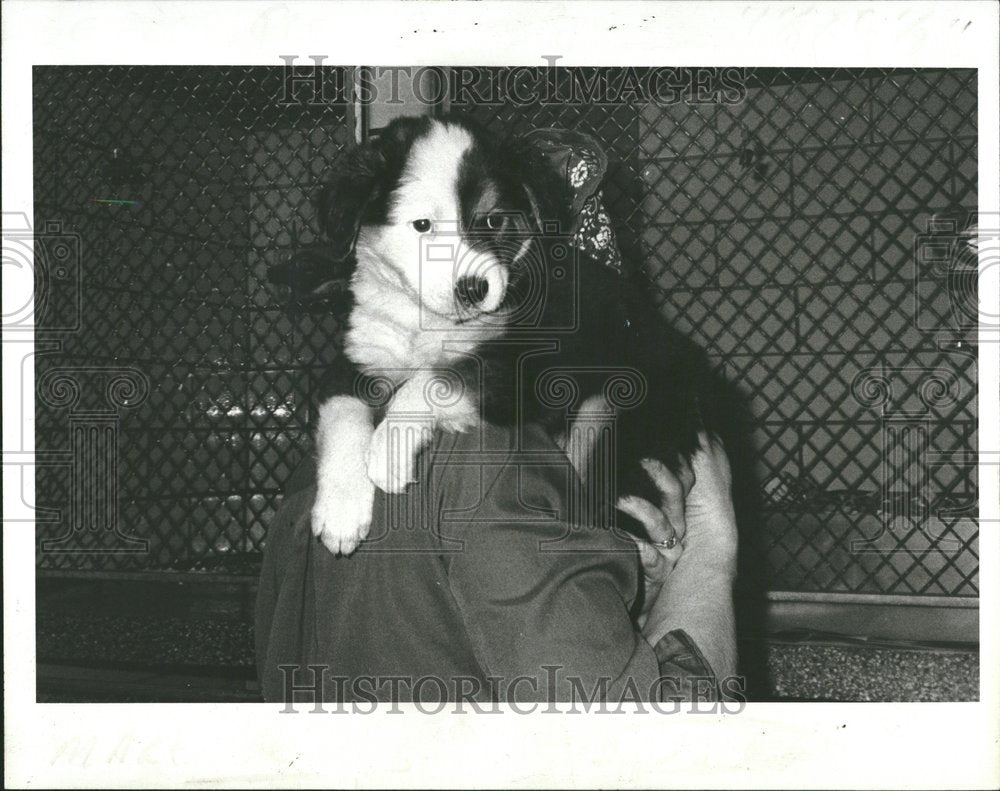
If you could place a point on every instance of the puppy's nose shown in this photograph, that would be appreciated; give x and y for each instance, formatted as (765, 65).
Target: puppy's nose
(470, 291)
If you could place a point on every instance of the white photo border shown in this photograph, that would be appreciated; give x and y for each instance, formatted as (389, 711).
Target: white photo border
(797, 745)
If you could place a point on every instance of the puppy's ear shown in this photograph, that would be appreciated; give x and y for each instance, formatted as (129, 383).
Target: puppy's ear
(357, 191)
(309, 274)
(343, 200)
(563, 170)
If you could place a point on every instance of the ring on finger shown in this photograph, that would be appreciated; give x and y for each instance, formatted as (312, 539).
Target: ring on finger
(670, 543)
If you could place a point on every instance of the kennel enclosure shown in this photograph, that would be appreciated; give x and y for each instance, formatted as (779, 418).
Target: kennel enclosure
(807, 235)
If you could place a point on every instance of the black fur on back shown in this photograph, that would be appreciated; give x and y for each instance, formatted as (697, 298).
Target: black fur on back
(617, 330)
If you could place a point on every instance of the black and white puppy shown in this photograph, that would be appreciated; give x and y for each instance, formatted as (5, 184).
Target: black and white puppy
(456, 247)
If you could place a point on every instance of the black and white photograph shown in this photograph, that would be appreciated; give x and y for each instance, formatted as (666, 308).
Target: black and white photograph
(412, 375)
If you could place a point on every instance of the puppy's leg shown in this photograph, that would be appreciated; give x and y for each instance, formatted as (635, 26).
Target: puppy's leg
(424, 402)
(342, 512)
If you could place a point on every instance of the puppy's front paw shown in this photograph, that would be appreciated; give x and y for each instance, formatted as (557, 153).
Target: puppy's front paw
(392, 459)
(342, 514)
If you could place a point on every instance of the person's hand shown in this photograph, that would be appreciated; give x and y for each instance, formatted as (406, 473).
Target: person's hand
(697, 595)
(708, 513)
(695, 513)
(665, 525)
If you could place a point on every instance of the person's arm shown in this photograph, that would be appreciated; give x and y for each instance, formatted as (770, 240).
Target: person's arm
(536, 592)
(695, 578)
(541, 599)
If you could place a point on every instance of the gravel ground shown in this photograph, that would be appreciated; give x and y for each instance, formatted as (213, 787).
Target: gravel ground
(153, 641)
(857, 673)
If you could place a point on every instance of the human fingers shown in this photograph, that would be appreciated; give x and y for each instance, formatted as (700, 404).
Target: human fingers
(710, 514)
(659, 530)
(673, 491)
(712, 461)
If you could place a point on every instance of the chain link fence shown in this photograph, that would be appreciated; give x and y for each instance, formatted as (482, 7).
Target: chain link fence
(805, 234)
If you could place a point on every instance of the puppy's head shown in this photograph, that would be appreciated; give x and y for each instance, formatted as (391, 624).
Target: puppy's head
(440, 209)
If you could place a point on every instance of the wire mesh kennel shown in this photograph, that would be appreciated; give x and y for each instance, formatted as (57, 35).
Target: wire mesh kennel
(807, 235)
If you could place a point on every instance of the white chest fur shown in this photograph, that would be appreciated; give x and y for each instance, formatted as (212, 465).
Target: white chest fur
(391, 329)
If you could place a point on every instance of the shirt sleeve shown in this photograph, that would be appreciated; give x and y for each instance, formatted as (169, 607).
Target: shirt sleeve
(685, 674)
(546, 602)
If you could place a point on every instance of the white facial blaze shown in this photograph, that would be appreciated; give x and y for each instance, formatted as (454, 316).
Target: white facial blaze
(432, 263)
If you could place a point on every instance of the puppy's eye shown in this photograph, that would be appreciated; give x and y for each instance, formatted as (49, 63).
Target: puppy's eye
(495, 221)
(421, 226)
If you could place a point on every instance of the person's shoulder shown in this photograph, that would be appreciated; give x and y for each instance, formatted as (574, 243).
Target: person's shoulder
(491, 438)
(511, 487)
(485, 454)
